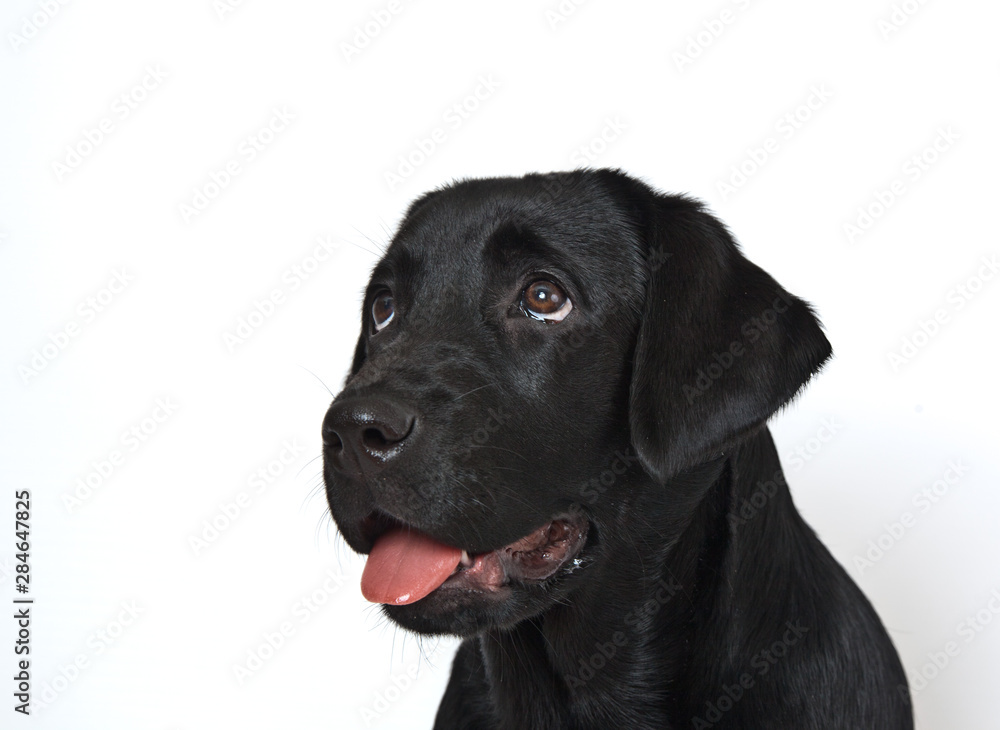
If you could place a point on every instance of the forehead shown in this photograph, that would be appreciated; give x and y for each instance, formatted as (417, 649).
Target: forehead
(481, 228)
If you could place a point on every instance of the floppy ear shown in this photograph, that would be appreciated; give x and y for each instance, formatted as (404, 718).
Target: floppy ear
(721, 345)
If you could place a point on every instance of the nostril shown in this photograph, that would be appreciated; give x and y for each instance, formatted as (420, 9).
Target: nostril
(332, 441)
(381, 436)
(363, 435)
(374, 439)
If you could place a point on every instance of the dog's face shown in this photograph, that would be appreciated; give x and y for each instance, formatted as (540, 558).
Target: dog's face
(520, 338)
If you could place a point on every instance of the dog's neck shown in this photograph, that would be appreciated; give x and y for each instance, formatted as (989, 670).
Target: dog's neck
(608, 658)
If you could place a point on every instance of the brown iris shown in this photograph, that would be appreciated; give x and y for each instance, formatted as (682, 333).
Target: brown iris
(545, 300)
(382, 309)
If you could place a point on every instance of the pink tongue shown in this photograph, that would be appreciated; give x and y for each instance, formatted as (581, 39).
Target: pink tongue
(405, 565)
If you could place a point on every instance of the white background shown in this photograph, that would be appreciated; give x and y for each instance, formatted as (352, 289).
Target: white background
(603, 84)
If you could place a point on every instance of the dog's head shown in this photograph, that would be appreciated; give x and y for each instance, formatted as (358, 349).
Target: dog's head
(533, 353)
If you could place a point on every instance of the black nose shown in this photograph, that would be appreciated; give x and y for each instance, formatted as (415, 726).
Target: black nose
(362, 435)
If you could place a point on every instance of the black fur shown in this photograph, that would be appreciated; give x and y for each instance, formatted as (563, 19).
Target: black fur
(700, 599)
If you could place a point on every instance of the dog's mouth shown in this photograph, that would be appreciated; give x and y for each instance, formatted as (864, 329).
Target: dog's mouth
(405, 565)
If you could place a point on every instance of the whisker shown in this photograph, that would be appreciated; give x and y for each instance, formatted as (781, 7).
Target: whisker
(497, 448)
(367, 238)
(299, 473)
(487, 385)
(381, 247)
(319, 379)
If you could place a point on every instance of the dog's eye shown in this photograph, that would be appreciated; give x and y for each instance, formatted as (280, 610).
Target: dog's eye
(544, 300)
(382, 309)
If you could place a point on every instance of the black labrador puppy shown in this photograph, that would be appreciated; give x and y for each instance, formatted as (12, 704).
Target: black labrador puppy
(552, 442)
